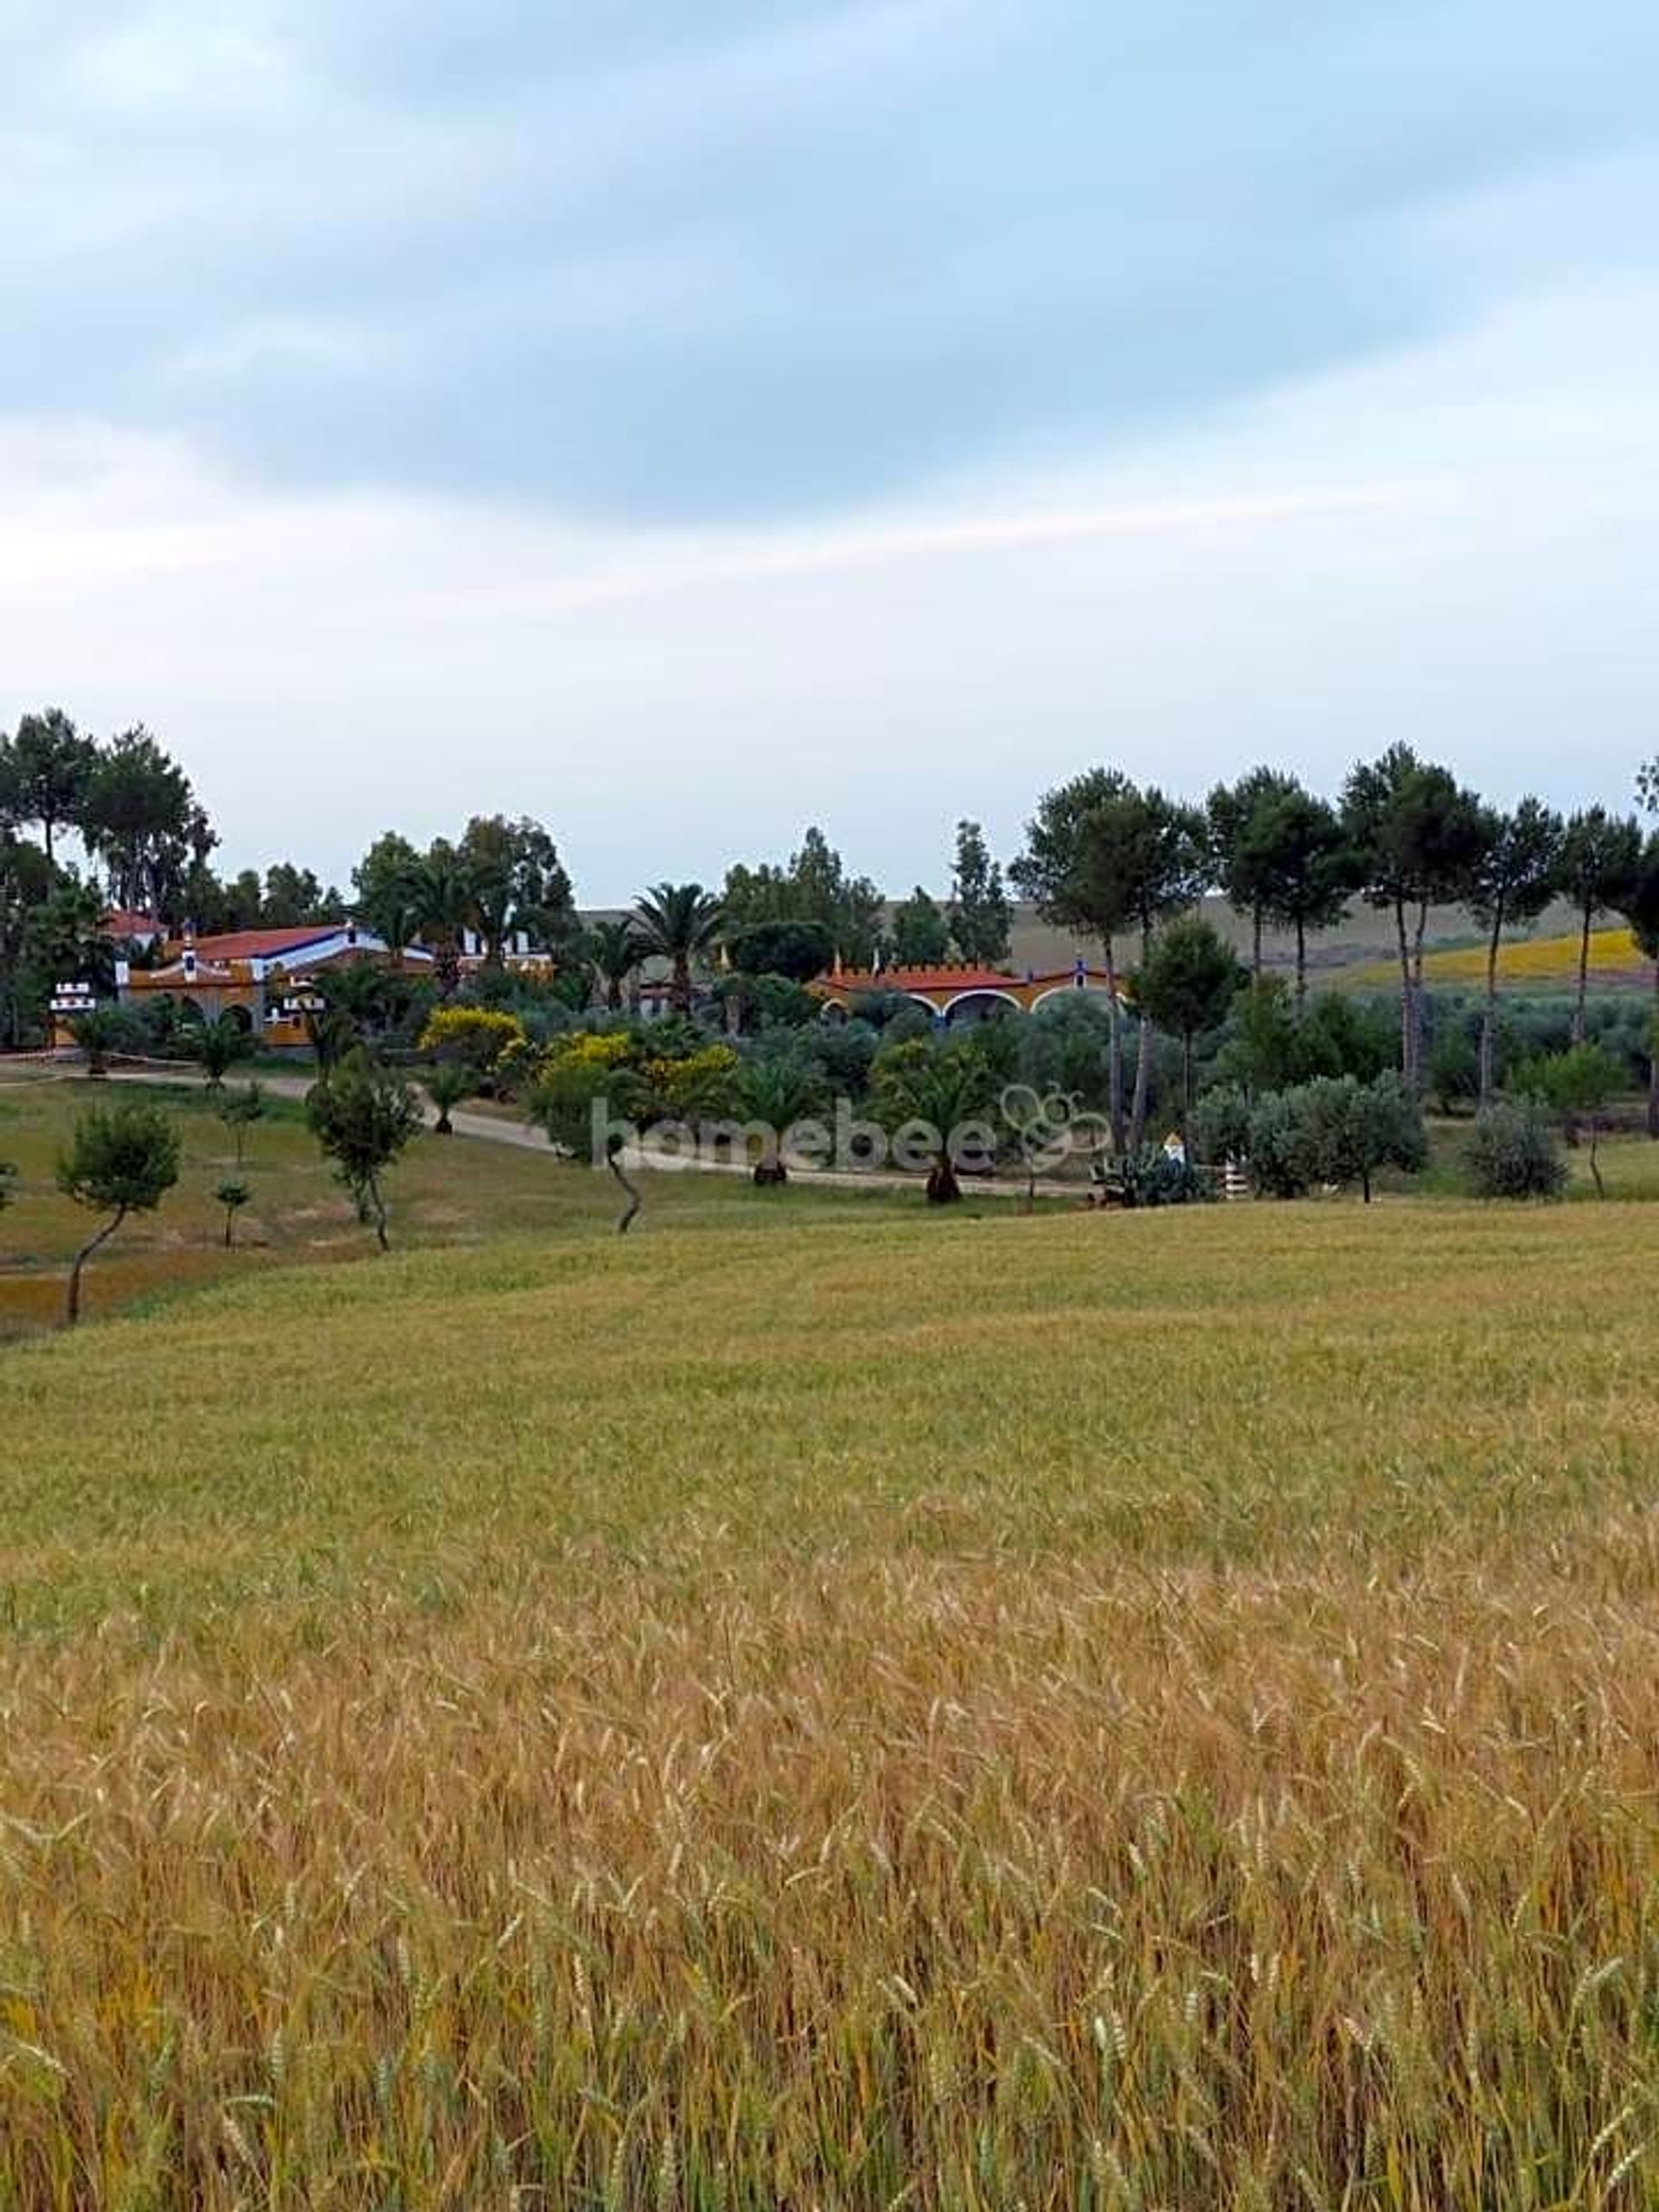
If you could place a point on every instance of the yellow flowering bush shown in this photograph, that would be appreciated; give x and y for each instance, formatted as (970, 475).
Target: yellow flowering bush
(475, 1035)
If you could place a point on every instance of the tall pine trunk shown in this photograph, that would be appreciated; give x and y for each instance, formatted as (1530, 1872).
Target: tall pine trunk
(1488, 1017)
(1407, 1070)
(1113, 1051)
(1302, 965)
(1143, 1058)
(1584, 976)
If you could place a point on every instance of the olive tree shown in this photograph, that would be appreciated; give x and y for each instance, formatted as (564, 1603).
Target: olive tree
(363, 1116)
(122, 1159)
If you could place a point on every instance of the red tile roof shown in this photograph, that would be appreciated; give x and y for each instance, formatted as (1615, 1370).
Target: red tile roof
(263, 944)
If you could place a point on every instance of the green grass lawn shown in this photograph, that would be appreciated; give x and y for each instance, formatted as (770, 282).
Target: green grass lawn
(821, 1704)
(445, 1192)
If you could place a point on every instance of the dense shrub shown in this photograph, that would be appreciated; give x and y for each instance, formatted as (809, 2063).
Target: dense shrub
(1333, 1130)
(1278, 1152)
(1514, 1153)
(1220, 1125)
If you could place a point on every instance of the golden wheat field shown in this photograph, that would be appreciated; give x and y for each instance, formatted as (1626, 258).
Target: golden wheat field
(845, 1709)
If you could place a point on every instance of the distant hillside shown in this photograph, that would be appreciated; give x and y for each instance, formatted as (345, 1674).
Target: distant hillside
(1365, 938)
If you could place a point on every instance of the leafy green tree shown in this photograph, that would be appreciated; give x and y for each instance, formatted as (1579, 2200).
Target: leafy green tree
(1232, 813)
(815, 886)
(614, 949)
(45, 770)
(1220, 1127)
(1600, 858)
(981, 915)
(1416, 835)
(239, 1110)
(448, 1083)
(518, 882)
(1647, 785)
(1079, 867)
(141, 817)
(121, 1160)
(678, 923)
(1580, 1084)
(363, 1116)
(233, 1196)
(25, 877)
(8, 1184)
(1511, 881)
(1186, 984)
(1514, 1153)
(798, 950)
(387, 881)
(1305, 865)
(292, 897)
(921, 936)
(1266, 1050)
(1353, 1129)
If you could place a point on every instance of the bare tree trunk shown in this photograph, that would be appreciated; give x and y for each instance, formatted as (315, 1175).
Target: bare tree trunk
(1302, 965)
(1255, 949)
(379, 1205)
(1143, 1058)
(1595, 1172)
(1406, 1073)
(1142, 1072)
(71, 1308)
(1417, 995)
(1113, 1051)
(1186, 1080)
(612, 1160)
(1583, 978)
(1489, 1017)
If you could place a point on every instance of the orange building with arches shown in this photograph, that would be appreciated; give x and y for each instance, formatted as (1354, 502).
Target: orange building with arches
(956, 992)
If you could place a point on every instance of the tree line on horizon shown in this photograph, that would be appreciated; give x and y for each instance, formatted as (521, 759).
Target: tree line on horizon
(1114, 861)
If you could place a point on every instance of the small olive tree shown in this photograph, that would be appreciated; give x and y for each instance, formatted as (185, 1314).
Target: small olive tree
(232, 1196)
(1580, 1084)
(121, 1160)
(239, 1110)
(1514, 1153)
(363, 1116)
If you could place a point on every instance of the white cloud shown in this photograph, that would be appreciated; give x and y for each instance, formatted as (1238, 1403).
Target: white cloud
(1457, 547)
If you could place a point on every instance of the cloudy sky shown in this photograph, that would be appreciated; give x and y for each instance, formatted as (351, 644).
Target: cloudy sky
(684, 419)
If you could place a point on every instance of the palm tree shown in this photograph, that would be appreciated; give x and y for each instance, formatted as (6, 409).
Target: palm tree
(778, 1090)
(448, 1084)
(678, 922)
(445, 901)
(614, 951)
